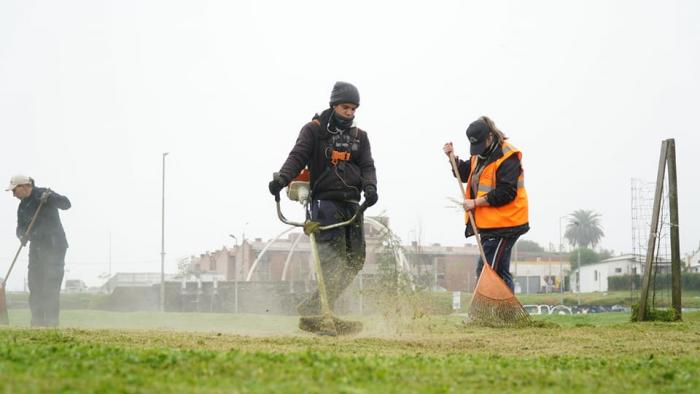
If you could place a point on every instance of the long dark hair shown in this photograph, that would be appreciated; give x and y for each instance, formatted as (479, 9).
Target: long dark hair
(497, 133)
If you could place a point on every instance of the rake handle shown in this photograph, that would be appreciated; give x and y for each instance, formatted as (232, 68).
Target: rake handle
(21, 244)
(471, 217)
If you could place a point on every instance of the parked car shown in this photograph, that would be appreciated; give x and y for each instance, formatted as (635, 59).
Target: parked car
(547, 309)
(74, 286)
(537, 309)
(560, 310)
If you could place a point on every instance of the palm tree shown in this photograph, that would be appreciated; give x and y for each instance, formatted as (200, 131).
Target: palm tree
(584, 229)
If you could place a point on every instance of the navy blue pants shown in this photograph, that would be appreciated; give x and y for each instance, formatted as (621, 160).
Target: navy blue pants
(342, 250)
(497, 251)
(46, 264)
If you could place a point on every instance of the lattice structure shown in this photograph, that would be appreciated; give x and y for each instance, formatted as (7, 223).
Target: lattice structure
(642, 193)
(661, 284)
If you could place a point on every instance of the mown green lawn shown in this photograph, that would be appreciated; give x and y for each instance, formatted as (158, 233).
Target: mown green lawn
(146, 352)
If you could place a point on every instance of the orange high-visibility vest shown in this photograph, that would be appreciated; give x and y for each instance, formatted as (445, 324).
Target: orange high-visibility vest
(513, 214)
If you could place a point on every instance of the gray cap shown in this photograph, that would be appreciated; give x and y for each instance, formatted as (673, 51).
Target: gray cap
(344, 92)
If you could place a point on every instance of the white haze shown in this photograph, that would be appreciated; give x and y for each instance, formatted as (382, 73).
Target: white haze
(92, 92)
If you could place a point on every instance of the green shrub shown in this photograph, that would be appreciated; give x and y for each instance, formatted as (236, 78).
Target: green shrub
(653, 314)
(689, 281)
(588, 256)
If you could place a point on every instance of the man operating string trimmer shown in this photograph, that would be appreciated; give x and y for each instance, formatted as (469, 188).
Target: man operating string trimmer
(339, 159)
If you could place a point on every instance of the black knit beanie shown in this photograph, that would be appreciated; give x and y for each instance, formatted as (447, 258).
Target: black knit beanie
(344, 92)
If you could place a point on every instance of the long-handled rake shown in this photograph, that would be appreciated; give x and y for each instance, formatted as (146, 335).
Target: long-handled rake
(325, 324)
(493, 303)
(4, 318)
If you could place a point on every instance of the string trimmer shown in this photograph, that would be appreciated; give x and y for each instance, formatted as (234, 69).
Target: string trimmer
(324, 324)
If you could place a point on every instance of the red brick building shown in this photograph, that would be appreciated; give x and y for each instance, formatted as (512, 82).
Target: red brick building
(288, 258)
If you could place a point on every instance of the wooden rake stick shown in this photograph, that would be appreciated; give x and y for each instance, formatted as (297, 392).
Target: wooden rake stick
(471, 217)
(21, 244)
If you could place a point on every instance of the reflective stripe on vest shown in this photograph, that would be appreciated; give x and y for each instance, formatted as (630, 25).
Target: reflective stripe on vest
(513, 214)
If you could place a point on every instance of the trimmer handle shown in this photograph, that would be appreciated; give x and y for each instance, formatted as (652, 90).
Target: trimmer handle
(362, 208)
(354, 217)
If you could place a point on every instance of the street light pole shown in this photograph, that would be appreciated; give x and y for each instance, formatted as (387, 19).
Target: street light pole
(561, 265)
(561, 243)
(162, 242)
(578, 284)
(109, 267)
(578, 262)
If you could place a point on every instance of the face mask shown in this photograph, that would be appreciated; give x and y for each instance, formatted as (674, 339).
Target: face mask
(341, 122)
(488, 150)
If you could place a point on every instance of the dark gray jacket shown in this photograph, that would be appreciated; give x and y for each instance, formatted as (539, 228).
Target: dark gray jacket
(47, 230)
(342, 182)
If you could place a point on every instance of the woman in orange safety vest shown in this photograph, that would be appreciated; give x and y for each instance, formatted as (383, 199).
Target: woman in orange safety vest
(495, 193)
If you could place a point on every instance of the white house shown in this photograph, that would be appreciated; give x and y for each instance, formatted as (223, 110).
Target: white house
(594, 277)
(539, 275)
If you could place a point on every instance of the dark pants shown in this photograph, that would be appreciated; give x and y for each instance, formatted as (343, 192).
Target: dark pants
(45, 277)
(497, 251)
(341, 250)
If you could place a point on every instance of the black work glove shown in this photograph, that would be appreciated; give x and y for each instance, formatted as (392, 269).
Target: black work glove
(371, 196)
(45, 196)
(275, 186)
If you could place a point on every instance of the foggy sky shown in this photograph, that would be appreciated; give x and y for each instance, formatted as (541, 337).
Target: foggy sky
(92, 92)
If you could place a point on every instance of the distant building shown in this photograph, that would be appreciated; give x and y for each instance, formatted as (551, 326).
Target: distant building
(441, 268)
(541, 272)
(450, 268)
(594, 277)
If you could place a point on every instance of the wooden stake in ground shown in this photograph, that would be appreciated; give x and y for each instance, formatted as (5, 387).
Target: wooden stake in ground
(493, 303)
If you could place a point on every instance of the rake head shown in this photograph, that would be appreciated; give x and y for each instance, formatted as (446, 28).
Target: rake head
(494, 304)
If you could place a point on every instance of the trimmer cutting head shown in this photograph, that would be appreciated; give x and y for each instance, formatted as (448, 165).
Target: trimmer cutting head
(320, 326)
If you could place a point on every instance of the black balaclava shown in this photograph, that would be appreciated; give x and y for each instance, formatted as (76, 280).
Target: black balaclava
(341, 122)
(488, 151)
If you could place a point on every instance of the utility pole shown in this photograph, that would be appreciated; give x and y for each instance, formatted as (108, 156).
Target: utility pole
(162, 242)
(109, 268)
(578, 262)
